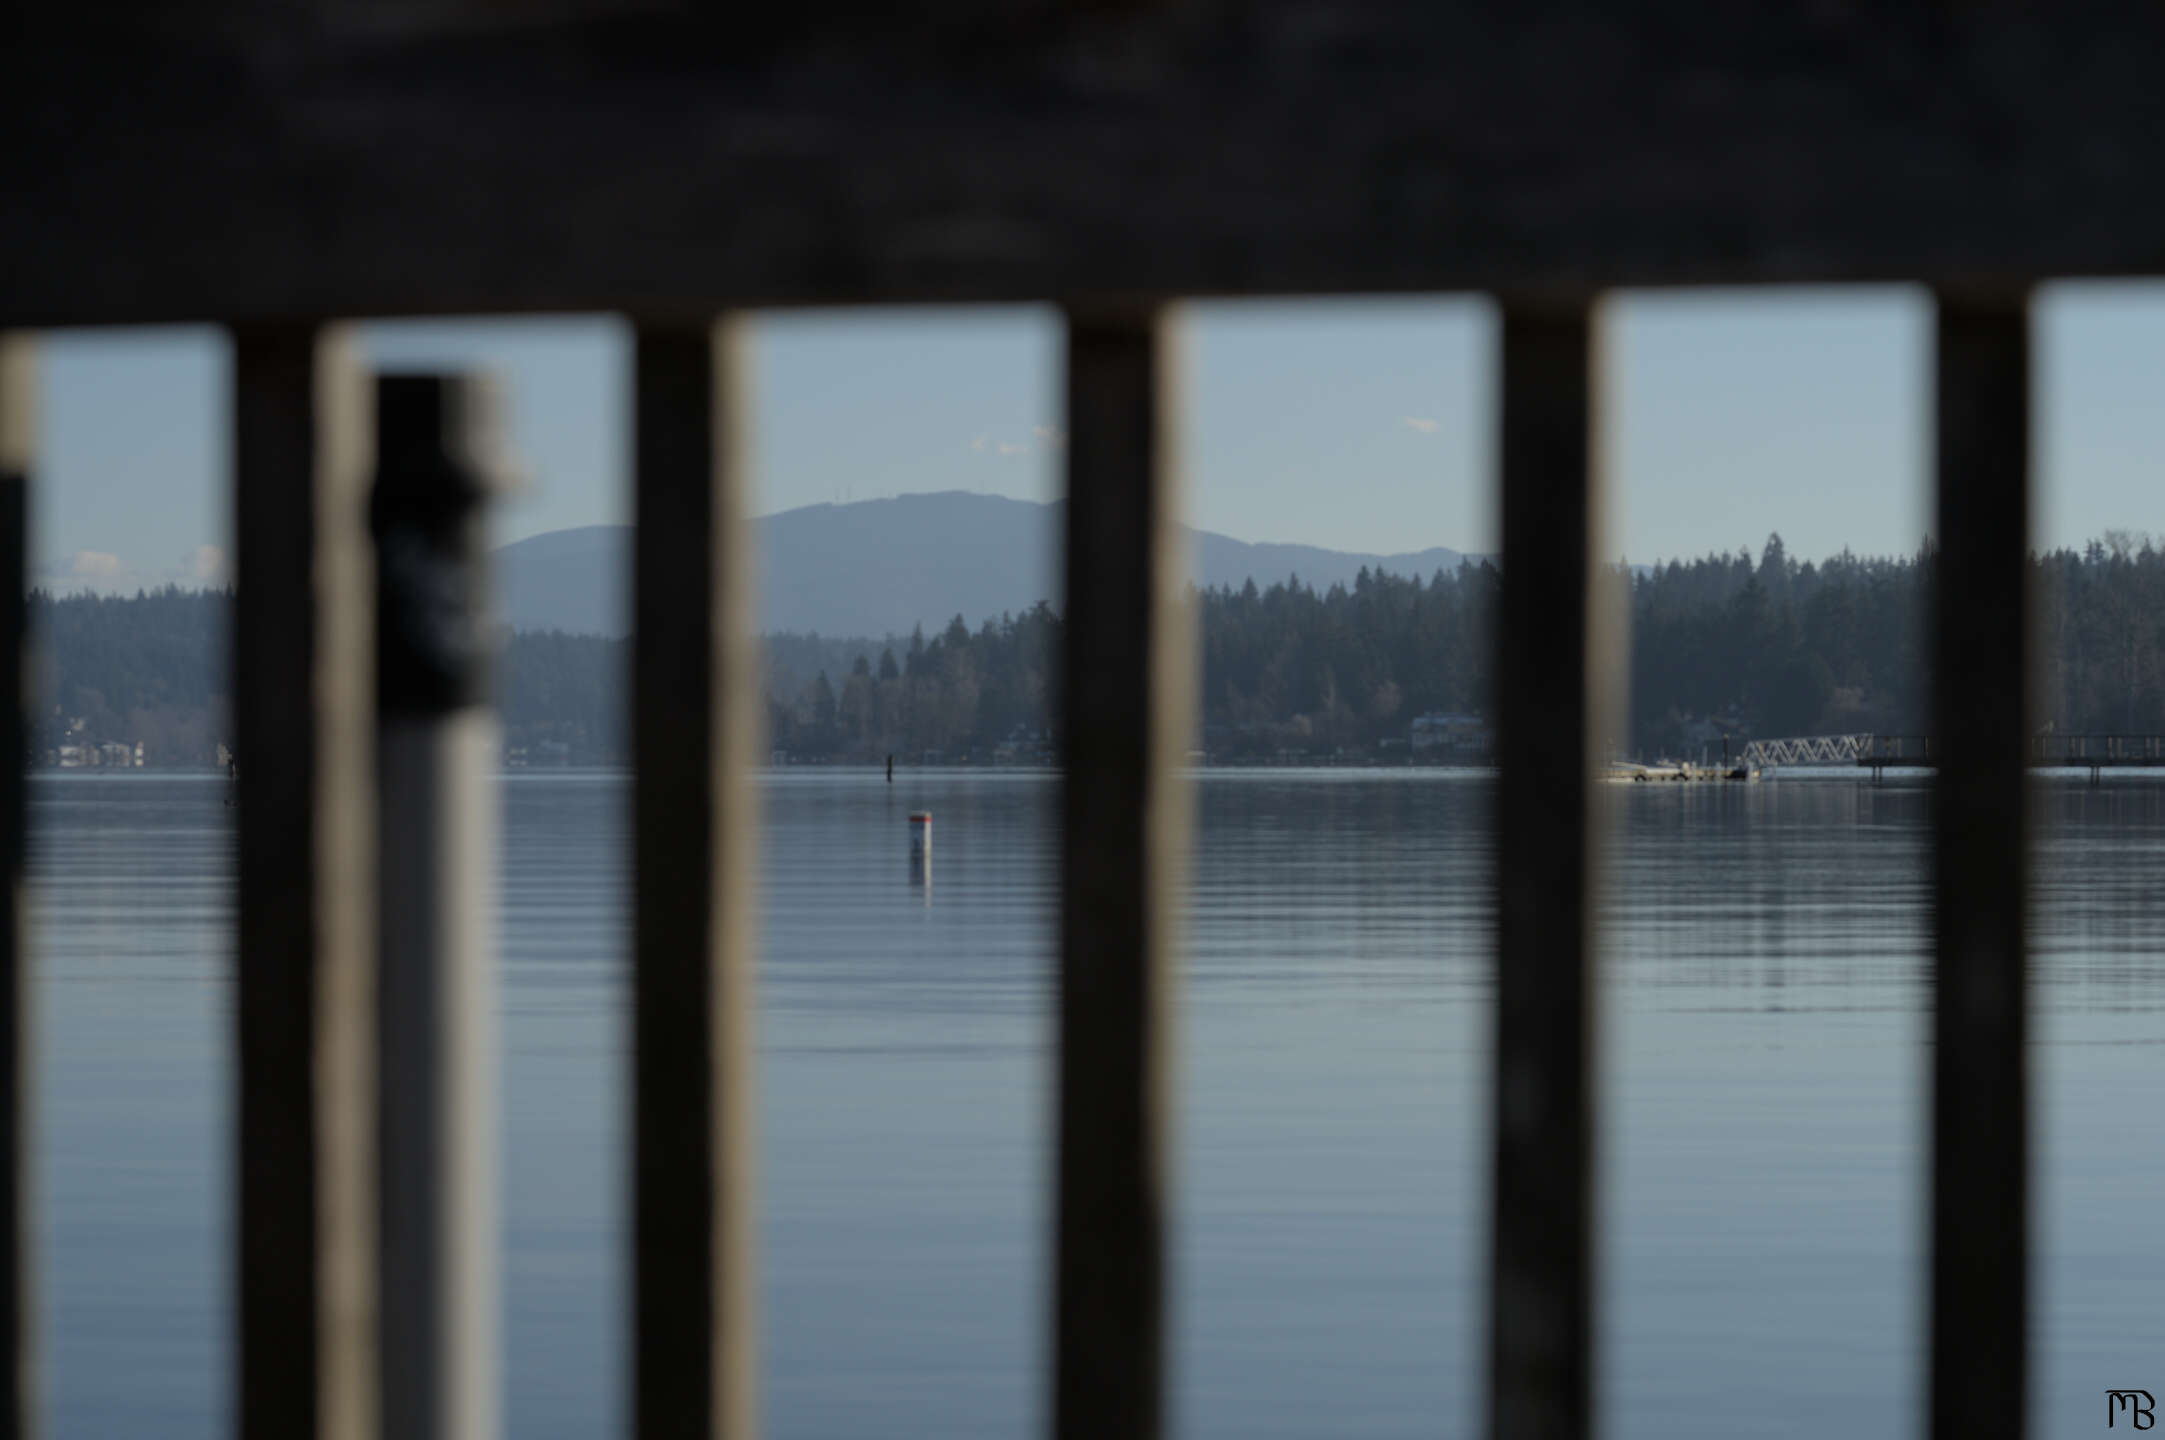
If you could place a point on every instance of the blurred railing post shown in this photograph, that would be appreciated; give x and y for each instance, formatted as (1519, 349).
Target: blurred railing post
(18, 1294)
(302, 686)
(695, 726)
(437, 746)
(1980, 1099)
(1125, 721)
(1554, 669)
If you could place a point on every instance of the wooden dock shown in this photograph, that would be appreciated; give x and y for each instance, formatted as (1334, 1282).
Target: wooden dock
(1881, 753)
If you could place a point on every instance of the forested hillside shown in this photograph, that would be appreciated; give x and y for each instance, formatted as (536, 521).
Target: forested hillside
(148, 670)
(1726, 644)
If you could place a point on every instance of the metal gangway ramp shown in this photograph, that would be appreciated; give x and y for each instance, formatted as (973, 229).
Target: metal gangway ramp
(1808, 750)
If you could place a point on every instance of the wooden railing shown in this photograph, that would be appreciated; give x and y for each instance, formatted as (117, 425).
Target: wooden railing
(278, 173)
(307, 1227)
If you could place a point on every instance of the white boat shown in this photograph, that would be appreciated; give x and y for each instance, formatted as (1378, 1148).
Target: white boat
(1674, 772)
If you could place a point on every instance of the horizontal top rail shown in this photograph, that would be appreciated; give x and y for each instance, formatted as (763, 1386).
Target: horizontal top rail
(215, 161)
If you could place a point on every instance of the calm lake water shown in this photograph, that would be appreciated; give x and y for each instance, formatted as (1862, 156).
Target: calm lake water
(1762, 1165)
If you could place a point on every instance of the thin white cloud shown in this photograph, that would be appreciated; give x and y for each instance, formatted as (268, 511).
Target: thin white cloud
(1421, 423)
(1049, 437)
(104, 573)
(206, 565)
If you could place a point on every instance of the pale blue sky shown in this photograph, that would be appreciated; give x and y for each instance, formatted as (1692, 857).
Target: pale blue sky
(1355, 425)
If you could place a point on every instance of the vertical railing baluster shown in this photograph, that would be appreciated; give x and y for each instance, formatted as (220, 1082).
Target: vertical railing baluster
(1126, 681)
(18, 1313)
(1553, 673)
(695, 726)
(1980, 1104)
(437, 741)
(302, 722)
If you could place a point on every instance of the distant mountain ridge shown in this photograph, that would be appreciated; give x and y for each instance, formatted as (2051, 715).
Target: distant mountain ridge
(877, 567)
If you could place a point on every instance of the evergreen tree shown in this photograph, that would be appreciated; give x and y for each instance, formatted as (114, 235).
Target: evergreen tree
(1753, 647)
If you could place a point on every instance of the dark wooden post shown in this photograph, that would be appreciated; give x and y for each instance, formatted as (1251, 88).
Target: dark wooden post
(437, 743)
(695, 729)
(1553, 675)
(18, 1295)
(1980, 1102)
(1125, 707)
(302, 722)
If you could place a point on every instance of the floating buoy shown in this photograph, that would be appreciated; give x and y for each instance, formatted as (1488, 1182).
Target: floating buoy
(921, 851)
